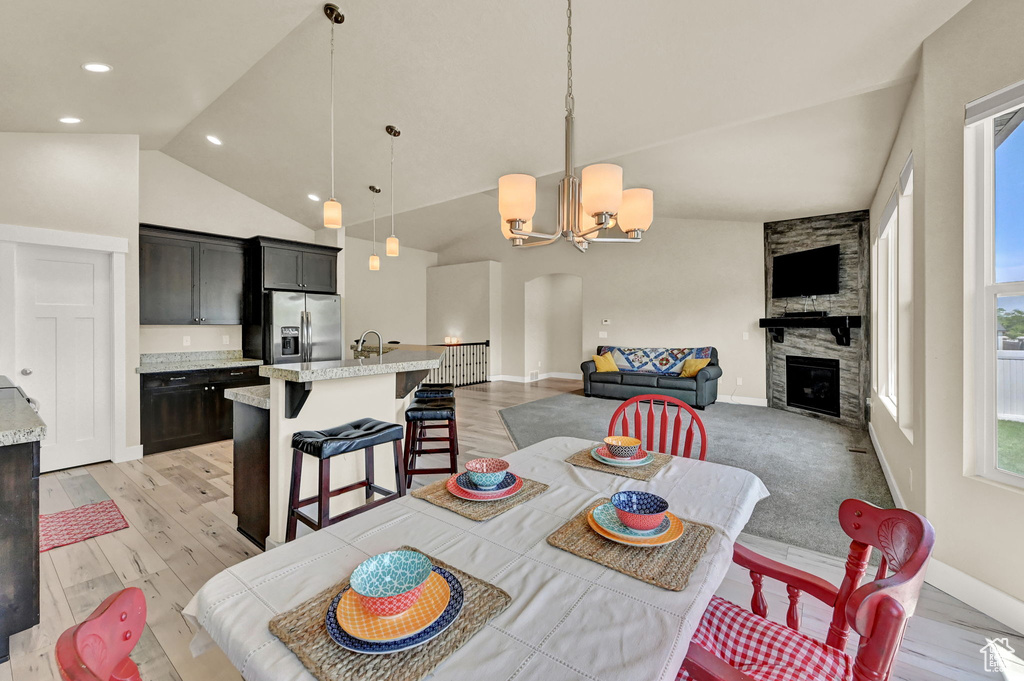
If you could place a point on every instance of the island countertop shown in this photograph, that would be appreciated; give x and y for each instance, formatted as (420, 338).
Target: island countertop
(255, 396)
(19, 422)
(405, 358)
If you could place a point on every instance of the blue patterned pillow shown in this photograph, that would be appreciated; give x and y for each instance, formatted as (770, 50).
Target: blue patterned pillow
(659, 361)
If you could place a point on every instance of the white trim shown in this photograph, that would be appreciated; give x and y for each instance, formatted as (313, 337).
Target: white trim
(977, 594)
(540, 377)
(750, 401)
(886, 471)
(117, 247)
(994, 104)
(39, 236)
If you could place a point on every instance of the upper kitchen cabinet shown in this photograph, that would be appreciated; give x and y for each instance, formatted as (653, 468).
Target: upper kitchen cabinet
(189, 277)
(294, 266)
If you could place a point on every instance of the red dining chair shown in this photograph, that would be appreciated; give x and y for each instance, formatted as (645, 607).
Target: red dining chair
(98, 648)
(733, 644)
(672, 412)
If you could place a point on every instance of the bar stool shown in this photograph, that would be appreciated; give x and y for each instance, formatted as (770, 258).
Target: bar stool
(324, 444)
(435, 390)
(422, 416)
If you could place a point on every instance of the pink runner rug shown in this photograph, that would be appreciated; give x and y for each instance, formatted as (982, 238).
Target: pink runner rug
(78, 524)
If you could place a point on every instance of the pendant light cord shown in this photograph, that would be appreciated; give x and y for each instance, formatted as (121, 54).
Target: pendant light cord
(392, 185)
(570, 101)
(332, 111)
(375, 223)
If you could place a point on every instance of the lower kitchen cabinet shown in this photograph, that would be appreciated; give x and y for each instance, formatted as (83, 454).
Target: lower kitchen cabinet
(19, 559)
(183, 409)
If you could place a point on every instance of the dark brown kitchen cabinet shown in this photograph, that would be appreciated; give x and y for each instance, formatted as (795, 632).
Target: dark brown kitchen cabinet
(282, 269)
(189, 277)
(188, 408)
(293, 266)
(319, 272)
(19, 559)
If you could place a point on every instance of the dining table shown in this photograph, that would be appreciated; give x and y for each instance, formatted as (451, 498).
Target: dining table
(569, 617)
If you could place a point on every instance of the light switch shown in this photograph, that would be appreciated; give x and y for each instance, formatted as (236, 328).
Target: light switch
(186, 341)
(227, 340)
(746, 335)
(602, 334)
(605, 322)
(739, 380)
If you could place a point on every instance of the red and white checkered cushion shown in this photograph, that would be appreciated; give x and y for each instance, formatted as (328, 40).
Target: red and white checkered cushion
(766, 650)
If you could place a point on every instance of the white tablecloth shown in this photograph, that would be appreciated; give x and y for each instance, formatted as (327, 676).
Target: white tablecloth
(570, 618)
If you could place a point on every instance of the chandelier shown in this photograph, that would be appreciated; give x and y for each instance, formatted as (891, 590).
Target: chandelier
(586, 205)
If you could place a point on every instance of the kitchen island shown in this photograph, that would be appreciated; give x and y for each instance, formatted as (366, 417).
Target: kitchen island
(316, 396)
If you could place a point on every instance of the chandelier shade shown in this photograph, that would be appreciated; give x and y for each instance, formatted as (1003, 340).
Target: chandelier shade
(374, 263)
(601, 188)
(637, 210)
(332, 214)
(517, 197)
(391, 246)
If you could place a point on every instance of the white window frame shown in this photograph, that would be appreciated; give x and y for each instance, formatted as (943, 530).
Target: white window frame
(886, 258)
(981, 291)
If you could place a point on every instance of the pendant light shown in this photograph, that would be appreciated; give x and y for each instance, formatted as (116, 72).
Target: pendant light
(374, 259)
(391, 246)
(332, 209)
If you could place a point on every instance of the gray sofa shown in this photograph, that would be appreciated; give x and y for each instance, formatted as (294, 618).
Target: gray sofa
(699, 391)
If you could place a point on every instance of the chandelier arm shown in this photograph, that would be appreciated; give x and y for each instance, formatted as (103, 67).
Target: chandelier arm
(539, 235)
(542, 243)
(581, 247)
(614, 240)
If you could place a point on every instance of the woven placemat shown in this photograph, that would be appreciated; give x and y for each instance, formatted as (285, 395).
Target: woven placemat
(437, 493)
(304, 631)
(583, 459)
(666, 566)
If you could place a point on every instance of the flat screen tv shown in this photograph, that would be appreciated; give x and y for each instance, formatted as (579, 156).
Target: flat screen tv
(806, 273)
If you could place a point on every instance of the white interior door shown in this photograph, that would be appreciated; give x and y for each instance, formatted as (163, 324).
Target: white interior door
(63, 351)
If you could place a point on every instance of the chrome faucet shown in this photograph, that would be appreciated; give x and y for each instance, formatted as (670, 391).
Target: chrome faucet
(380, 343)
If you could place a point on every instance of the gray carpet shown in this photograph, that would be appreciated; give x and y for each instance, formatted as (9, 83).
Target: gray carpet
(805, 463)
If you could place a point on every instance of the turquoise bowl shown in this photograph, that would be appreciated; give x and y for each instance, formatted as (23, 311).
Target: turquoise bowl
(487, 473)
(389, 583)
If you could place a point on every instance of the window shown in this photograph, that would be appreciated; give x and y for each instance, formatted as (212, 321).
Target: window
(994, 281)
(893, 287)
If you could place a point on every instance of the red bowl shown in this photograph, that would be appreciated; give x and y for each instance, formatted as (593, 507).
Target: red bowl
(639, 510)
(640, 522)
(389, 606)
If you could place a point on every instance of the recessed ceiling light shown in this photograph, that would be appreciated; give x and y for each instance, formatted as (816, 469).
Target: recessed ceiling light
(313, 197)
(96, 67)
(214, 140)
(70, 120)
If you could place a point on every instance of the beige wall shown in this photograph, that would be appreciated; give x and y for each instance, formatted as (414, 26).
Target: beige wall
(689, 283)
(81, 183)
(464, 301)
(553, 325)
(977, 52)
(392, 300)
(173, 194)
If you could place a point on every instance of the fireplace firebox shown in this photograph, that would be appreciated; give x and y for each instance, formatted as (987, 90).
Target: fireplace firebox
(812, 383)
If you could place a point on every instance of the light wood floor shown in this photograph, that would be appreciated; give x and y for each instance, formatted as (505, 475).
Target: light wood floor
(182, 532)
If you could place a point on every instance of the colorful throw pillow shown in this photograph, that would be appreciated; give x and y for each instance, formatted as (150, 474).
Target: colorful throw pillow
(659, 361)
(692, 366)
(605, 362)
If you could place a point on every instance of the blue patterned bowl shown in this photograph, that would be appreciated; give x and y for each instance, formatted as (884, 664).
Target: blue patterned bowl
(389, 583)
(639, 510)
(487, 473)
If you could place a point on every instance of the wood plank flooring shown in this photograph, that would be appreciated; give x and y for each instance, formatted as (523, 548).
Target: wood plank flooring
(182, 532)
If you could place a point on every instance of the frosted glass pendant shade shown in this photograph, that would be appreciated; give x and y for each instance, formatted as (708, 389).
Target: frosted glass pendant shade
(506, 229)
(374, 262)
(391, 246)
(637, 210)
(601, 186)
(332, 214)
(517, 197)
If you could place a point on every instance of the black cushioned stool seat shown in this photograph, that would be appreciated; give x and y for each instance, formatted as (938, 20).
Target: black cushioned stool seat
(421, 417)
(363, 434)
(437, 409)
(433, 390)
(350, 437)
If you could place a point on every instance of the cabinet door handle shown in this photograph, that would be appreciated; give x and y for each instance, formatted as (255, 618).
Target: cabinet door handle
(178, 378)
(237, 373)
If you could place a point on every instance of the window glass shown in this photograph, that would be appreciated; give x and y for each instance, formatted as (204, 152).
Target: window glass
(1010, 384)
(1009, 197)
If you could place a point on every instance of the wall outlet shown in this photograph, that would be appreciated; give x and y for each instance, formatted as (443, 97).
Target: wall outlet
(226, 340)
(746, 335)
(538, 363)
(605, 322)
(739, 380)
(602, 334)
(186, 341)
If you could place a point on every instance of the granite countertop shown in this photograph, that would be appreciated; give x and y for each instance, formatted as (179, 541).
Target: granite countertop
(155, 363)
(255, 396)
(405, 358)
(19, 422)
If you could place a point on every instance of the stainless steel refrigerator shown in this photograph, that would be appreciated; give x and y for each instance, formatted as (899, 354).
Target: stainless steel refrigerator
(302, 327)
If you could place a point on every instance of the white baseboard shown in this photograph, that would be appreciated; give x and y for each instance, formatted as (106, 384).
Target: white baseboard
(541, 377)
(886, 471)
(127, 454)
(751, 401)
(981, 596)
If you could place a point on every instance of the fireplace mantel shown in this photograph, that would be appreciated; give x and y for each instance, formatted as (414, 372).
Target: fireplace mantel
(839, 325)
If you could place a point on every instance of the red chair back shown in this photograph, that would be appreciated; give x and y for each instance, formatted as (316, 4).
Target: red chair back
(98, 648)
(661, 424)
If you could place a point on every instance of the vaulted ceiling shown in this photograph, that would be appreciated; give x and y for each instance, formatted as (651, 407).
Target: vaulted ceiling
(732, 110)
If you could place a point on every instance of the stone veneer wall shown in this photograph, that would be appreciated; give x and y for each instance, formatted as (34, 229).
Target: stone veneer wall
(850, 231)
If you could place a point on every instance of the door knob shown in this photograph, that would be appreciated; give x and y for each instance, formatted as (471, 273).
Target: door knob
(26, 372)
